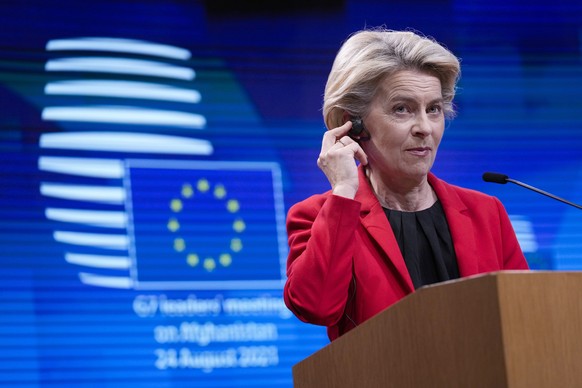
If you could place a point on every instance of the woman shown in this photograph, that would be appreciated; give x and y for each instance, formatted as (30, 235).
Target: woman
(388, 226)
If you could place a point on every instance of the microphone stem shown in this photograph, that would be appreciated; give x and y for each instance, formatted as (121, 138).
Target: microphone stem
(543, 192)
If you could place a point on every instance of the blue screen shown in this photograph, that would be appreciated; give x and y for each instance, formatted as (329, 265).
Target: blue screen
(151, 150)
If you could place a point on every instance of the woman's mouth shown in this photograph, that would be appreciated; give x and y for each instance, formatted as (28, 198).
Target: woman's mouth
(419, 151)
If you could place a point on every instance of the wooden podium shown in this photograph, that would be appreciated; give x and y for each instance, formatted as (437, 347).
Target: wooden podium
(504, 329)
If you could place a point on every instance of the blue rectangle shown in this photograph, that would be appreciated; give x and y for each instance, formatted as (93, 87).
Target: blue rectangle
(201, 224)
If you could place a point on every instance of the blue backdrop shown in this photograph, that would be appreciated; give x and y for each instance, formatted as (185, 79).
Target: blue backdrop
(151, 149)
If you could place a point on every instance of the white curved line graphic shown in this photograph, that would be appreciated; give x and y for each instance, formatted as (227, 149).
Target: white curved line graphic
(107, 241)
(100, 194)
(122, 89)
(131, 46)
(106, 281)
(99, 261)
(90, 167)
(126, 142)
(101, 218)
(121, 66)
(124, 115)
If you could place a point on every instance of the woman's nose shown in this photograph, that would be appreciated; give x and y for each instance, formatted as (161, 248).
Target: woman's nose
(422, 126)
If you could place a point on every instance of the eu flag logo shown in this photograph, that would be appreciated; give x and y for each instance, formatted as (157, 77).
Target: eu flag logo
(206, 225)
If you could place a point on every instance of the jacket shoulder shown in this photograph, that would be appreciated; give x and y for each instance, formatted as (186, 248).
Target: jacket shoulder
(311, 204)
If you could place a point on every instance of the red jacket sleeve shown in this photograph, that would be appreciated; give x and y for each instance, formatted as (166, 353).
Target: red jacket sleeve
(321, 233)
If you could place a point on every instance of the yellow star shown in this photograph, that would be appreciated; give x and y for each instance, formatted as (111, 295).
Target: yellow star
(173, 225)
(235, 245)
(209, 264)
(219, 192)
(187, 190)
(239, 225)
(203, 185)
(225, 259)
(179, 244)
(176, 205)
(232, 205)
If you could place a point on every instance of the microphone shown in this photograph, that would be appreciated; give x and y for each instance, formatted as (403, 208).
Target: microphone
(503, 179)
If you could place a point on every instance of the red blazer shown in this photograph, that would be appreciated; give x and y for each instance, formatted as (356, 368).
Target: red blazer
(344, 264)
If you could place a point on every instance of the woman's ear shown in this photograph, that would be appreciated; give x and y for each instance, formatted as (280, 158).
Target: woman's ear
(346, 117)
(358, 131)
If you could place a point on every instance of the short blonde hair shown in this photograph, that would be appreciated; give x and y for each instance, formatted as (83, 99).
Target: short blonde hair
(369, 56)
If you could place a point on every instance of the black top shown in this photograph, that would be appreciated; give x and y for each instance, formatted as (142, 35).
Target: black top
(425, 242)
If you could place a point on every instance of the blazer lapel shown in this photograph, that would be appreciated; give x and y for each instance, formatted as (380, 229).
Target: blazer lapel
(460, 226)
(376, 223)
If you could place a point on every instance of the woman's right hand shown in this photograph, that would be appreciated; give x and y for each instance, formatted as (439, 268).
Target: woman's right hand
(337, 160)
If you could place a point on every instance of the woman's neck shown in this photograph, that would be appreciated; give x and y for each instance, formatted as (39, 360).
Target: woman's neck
(404, 195)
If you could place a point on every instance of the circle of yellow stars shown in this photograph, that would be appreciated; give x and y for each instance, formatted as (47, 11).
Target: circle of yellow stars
(193, 259)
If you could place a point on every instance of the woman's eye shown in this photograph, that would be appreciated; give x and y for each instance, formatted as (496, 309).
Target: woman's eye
(435, 109)
(400, 109)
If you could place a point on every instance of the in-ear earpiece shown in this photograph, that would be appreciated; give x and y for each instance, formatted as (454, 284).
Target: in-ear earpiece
(357, 126)
(358, 131)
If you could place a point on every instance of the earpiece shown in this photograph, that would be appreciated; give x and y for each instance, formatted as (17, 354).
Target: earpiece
(357, 126)
(358, 131)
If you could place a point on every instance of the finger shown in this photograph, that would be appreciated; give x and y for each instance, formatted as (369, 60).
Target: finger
(342, 130)
(345, 141)
(331, 136)
(361, 156)
(358, 152)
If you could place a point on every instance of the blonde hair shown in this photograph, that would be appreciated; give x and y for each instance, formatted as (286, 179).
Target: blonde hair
(369, 56)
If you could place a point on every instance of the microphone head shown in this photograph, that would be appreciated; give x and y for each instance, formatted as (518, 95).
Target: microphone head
(495, 177)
